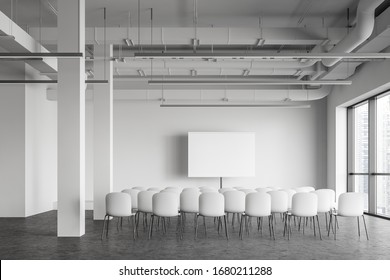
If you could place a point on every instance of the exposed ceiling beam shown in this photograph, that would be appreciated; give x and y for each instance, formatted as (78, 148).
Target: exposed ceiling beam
(251, 82)
(255, 55)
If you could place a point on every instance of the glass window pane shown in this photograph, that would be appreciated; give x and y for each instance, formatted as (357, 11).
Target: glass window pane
(361, 138)
(383, 134)
(361, 185)
(383, 195)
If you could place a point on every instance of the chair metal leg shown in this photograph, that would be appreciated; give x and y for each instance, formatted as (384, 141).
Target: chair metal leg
(273, 229)
(269, 224)
(289, 227)
(204, 224)
(365, 227)
(358, 226)
(335, 226)
(104, 224)
(196, 226)
(326, 221)
(240, 232)
(151, 225)
(319, 229)
(314, 225)
(134, 228)
(107, 225)
(226, 228)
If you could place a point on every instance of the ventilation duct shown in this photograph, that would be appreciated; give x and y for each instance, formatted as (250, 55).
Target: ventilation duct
(365, 20)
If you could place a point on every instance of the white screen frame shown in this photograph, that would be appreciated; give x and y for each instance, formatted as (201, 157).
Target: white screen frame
(221, 154)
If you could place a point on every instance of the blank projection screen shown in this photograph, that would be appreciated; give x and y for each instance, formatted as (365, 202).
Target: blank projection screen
(221, 154)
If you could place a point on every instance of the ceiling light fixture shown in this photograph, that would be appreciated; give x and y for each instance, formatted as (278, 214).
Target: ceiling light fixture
(245, 72)
(141, 72)
(129, 42)
(195, 42)
(289, 106)
(260, 42)
(193, 72)
(244, 82)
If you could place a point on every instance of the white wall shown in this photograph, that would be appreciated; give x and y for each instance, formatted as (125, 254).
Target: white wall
(41, 150)
(12, 175)
(28, 146)
(150, 144)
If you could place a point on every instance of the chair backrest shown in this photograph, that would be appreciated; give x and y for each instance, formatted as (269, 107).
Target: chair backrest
(304, 204)
(324, 200)
(263, 190)
(351, 204)
(189, 201)
(304, 189)
(118, 204)
(204, 190)
(145, 199)
(212, 204)
(141, 188)
(246, 191)
(134, 196)
(226, 190)
(234, 201)
(290, 193)
(165, 204)
(176, 189)
(279, 201)
(258, 204)
(190, 189)
(275, 188)
(155, 189)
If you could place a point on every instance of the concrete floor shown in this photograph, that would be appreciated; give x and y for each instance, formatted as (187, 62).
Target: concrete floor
(35, 238)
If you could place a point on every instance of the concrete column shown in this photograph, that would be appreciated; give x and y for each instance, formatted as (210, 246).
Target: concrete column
(103, 104)
(71, 120)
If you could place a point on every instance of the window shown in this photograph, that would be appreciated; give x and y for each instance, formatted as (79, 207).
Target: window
(369, 159)
(383, 155)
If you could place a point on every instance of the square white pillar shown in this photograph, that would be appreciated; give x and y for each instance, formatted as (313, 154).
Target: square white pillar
(103, 126)
(71, 119)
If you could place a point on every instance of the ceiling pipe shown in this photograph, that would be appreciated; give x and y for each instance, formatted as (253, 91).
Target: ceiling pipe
(365, 20)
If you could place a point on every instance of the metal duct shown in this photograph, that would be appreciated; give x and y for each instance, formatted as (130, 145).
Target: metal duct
(365, 19)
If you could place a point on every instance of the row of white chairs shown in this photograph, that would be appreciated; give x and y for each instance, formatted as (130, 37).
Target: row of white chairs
(189, 201)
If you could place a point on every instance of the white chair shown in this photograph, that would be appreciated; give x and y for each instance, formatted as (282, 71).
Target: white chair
(304, 205)
(211, 204)
(155, 189)
(226, 190)
(350, 204)
(176, 189)
(145, 206)
(304, 189)
(324, 203)
(189, 203)
(205, 190)
(134, 197)
(290, 193)
(258, 205)
(279, 203)
(118, 204)
(165, 205)
(263, 190)
(246, 191)
(234, 203)
(141, 188)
